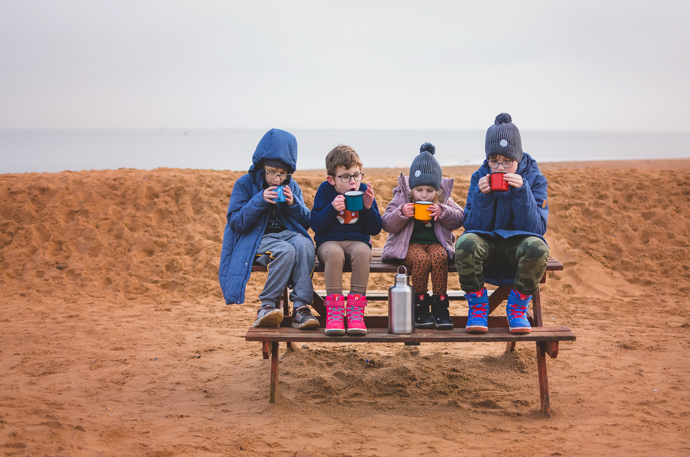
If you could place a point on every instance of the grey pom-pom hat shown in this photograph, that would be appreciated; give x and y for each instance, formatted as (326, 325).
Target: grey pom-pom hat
(425, 169)
(503, 138)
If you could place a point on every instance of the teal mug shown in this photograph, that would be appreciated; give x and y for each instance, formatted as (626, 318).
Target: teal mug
(354, 200)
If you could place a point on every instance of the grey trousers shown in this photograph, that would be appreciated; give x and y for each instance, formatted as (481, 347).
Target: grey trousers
(289, 258)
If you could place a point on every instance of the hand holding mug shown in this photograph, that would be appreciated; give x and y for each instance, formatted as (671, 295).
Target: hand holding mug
(289, 198)
(368, 197)
(514, 179)
(271, 194)
(484, 185)
(435, 211)
(408, 210)
(339, 203)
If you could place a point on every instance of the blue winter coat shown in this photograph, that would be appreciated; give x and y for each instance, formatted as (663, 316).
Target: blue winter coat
(517, 212)
(248, 213)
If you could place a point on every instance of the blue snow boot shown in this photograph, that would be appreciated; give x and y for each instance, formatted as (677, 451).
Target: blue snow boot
(516, 310)
(478, 315)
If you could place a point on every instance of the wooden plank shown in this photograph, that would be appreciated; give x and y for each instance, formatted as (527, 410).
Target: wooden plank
(381, 295)
(381, 335)
(379, 266)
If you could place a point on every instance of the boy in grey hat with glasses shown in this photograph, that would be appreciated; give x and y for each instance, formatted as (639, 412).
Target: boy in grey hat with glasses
(503, 242)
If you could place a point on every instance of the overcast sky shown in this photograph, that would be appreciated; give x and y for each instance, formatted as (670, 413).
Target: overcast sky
(554, 65)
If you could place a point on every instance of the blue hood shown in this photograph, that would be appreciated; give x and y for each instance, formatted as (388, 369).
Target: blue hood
(276, 144)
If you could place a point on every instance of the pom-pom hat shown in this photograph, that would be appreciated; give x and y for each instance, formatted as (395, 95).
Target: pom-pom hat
(425, 169)
(504, 138)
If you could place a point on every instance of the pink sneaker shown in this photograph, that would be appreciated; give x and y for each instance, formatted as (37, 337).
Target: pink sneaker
(335, 314)
(355, 314)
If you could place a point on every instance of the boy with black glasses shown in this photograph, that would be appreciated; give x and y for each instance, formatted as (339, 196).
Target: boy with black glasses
(344, 235)
(503, 242)
(267, 223)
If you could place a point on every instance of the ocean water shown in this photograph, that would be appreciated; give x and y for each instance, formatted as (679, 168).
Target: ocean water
(23, 151)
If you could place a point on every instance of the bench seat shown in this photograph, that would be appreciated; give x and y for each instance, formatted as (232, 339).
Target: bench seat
(547, 338)
(381, 335)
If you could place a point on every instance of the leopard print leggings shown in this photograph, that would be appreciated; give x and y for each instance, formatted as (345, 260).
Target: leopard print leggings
(423, 259)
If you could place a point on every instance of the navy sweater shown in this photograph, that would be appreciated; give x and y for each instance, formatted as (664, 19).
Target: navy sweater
(324, 219)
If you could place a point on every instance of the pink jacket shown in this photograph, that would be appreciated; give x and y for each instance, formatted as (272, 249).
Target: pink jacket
(399, 227)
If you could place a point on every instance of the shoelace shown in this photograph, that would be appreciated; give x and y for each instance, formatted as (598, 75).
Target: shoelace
(355, 313)
(479, 310)
(517, 311)
(336, 315)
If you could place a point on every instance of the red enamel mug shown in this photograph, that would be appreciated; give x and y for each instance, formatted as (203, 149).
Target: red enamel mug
(498, 184)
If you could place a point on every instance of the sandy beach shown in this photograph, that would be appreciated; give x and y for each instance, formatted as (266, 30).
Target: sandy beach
(115, 339)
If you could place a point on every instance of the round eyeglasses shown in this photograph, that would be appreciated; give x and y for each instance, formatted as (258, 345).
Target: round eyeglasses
(505, 163)
(282, 176)
(346, 178)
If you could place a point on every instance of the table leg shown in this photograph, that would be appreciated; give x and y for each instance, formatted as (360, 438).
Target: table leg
(543, 379)
(274, 372)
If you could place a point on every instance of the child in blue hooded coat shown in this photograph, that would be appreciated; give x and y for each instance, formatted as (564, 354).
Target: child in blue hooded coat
(503, 242)
(271, 233)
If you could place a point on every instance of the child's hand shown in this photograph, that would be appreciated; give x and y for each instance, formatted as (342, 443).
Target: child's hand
(270, 194)
(513, 179)
(289, 198)
(408, 210)
(435, 211)
(484, 185)
(368, 197)
(339, 203)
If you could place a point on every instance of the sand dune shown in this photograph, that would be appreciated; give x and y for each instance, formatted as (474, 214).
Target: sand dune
(115, 339)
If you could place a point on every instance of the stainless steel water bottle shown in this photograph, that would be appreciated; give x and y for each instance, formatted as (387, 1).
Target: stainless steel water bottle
(401, 304)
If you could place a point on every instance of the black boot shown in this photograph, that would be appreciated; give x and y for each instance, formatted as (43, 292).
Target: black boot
(439, 309)
(422, 316)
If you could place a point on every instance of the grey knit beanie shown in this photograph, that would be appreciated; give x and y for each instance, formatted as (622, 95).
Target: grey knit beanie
(504, 138)
(425, 169)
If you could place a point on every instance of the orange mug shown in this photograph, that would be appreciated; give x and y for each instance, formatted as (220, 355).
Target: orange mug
(421, 211)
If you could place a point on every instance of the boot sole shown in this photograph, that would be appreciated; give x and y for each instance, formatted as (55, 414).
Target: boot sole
(444, 327)
(357, 332)
(477, 329)
(272, 319)
(335, 332)
(520, 330)
(310, 324)
(429, 325)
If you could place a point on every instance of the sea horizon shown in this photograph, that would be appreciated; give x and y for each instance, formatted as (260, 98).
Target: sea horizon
(55, 150)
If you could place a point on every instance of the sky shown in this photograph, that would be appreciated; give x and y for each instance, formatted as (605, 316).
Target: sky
(554, 65)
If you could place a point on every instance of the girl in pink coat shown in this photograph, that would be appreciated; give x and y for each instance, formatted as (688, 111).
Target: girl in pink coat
(424, 246)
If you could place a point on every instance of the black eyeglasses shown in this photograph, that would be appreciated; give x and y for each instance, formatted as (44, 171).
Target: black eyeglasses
(346, 178)
(283, 176)
(496, 163)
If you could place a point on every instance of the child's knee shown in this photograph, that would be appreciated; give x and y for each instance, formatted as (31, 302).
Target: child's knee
(535, 249)
(468, 245)
(361, 252)
(304, 245)
(334, 256)
(285, 253)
